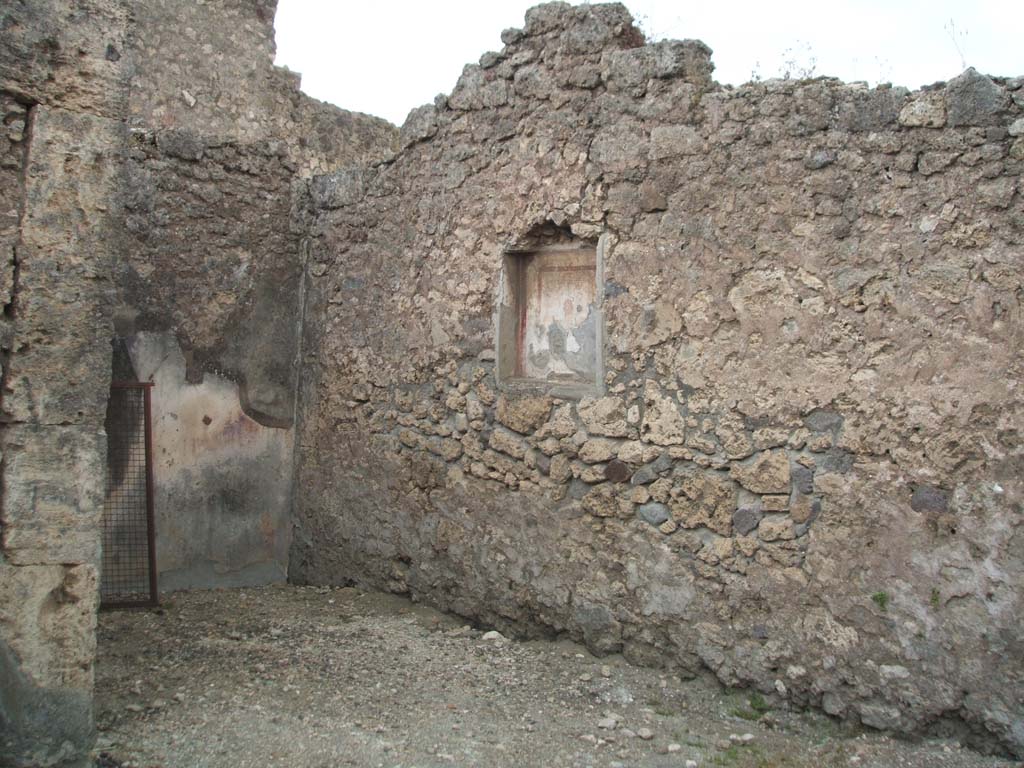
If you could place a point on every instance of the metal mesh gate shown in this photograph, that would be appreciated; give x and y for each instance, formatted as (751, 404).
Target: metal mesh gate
(128, 575)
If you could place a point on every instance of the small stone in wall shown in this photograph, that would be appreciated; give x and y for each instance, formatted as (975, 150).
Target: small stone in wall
(819, 159)
(631, 452)
(735, 440)
(700, 443)
(649, 472)
(506, 442)
(578, 489)
(640, 495)
(804, 508)
(602, 501)
(926, 111)
(562, 423)
(767, 473)
(724, 548)
(604, 416)
(709, 500)
(674, 140)
(932, 162)
(747, 545)
(644, 475)
(523, 414)
(485, 393)
(668, 527)
(776, 529)
(598, 449)
(653, 513)
(746, 519)
(927, 498)
(474, 409)
(561, 468)
(802, 479)
(450, 449)
(541, 462)
(663, 423)
(633, 412)
(832, 703)
(661, 490)
(775, 503)
(617, 471)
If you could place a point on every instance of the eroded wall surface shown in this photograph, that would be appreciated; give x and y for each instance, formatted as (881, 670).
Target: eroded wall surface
(218, 137)
(210, 286)
(804, 473)
(62, 96)
(223, 481)
(147, 161)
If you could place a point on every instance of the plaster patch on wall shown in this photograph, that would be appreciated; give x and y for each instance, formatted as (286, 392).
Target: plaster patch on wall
(223, 481)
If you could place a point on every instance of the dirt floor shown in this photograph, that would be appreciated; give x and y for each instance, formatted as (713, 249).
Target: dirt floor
(317, 677)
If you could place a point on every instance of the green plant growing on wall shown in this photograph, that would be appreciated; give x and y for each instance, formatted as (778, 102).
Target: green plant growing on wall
(881, 599)
(758, 707)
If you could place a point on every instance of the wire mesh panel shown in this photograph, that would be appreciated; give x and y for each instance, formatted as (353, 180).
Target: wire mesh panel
(128, 576)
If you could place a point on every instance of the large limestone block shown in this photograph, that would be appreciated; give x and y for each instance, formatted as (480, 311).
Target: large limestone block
(59, 369)
(974, 99)
(47, 648)
(54, 480)
(632, 68)
(48, 621)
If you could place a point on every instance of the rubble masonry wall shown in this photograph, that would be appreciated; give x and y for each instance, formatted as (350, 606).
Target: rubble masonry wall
(803, 470)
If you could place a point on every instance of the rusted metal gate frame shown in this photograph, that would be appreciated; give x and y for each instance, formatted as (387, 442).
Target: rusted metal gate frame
(154, 595)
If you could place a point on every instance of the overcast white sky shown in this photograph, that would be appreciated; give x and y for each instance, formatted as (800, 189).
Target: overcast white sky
(389, 56)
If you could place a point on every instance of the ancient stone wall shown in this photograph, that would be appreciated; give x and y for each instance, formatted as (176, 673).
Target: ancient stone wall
(207, 69)
(803, 469)
(212, 273)
(62, 93)
(147, 161)
(218, 136)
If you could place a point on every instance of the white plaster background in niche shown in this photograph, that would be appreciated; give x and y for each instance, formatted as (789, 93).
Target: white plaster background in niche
(223, 481)
(559, 292)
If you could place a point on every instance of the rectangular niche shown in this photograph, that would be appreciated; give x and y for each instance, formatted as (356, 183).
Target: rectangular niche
(550, 327)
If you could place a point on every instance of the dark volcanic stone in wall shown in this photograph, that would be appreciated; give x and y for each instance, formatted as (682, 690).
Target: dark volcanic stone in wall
(815, 308)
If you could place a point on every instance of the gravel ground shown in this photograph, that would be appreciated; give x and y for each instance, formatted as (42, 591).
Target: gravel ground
(318, 677)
